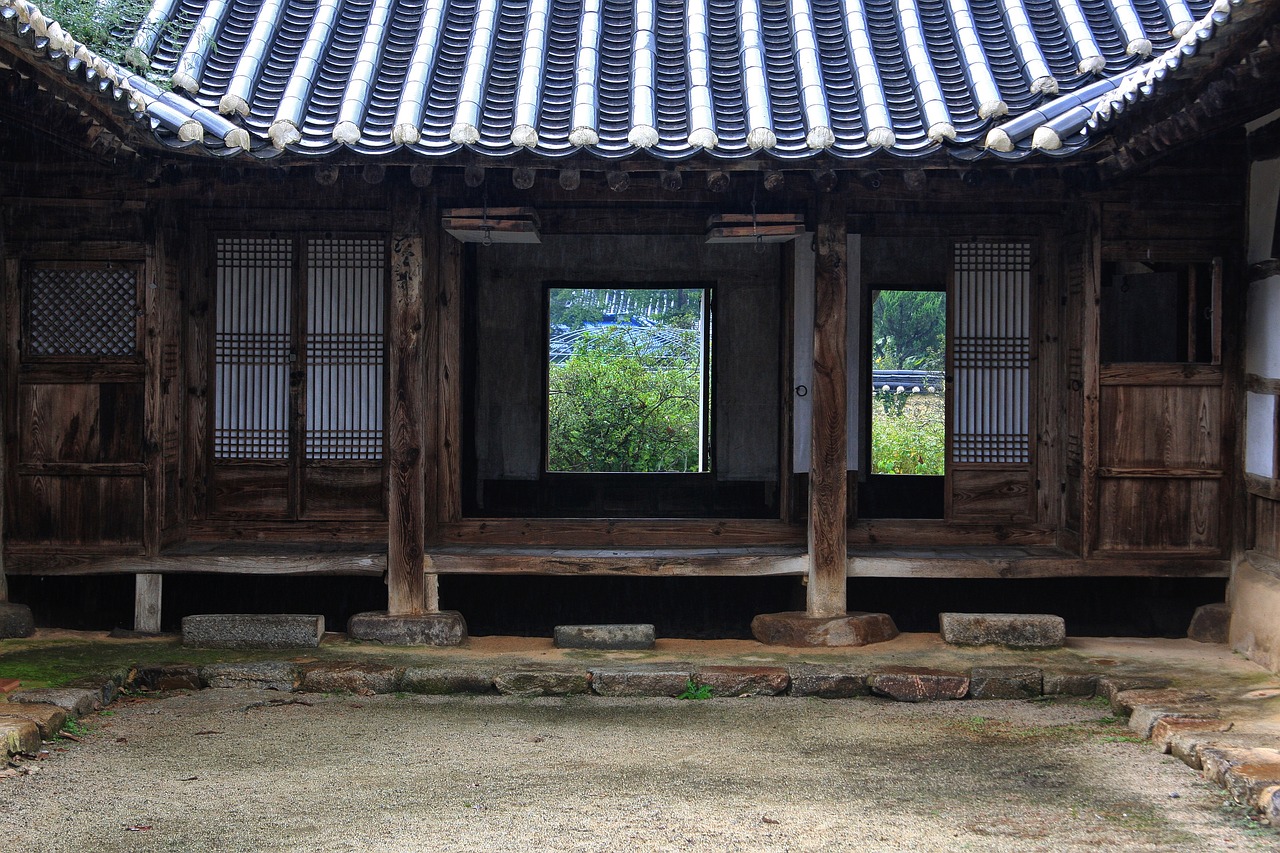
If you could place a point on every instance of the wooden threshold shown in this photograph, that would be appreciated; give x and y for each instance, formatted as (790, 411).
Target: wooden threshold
(238, 558)
(642, 562)
(1009, 562)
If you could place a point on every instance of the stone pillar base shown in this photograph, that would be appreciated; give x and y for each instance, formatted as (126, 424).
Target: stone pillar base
(16, 620)
(797, 628)
(446, 628)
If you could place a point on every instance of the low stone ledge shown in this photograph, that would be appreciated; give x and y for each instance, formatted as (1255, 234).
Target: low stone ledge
(799, 630)
(442, 680)
(1005, 682)
(1124, 701)
(170, 677)
(254, 675)
(659, 679)
(616, 637)
(1110, 685)
(49, 718)
(446, 628)
(19, 735)
(1167, 728)
(826, 683)
(542, 682)
(1245, 773)
(743, 680)
(1070, 684)
(252, 631)
(1011, 630)
(362, 679)
(76, 701)
(16, 620)
(918, 684)
(1144, 718)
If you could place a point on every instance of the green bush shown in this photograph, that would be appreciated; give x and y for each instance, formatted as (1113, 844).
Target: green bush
(910, 439)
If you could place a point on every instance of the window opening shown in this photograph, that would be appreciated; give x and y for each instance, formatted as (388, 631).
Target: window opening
(908, 399)
(1157, 312)
(82, 311)
(627, 380)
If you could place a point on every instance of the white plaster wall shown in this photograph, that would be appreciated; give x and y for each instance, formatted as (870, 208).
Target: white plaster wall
(1262, 329)
(1259, 453)
(1264, 189)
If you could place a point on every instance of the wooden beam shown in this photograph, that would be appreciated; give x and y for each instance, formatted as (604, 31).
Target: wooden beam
(633, 562)
(296, 563)
(448, 382)
(828, 447)
(146, 602)
(406, 500)
(1037, 567)
(1090, 349)
(7, 270)
(614, 533)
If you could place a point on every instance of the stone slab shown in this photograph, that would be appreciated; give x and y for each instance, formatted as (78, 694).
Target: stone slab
(1012, 630)
(827, 683)
(550, 681)
(446, 628)
(252, 630)
(1110, 685)
(170, 677)
(1245, 773)
(1210, 623)
(1070, 684)
(1124, 701)
(254, 675)
(49, 718)
(440, 680)
(19, 735)
(362, 679)
(1143, 718)
(659, 679)
(623, 637)
(918, 684)
(798, 629)
(1270, 806)
(16, 620)
(1167, 728)
(1005, 682)
(743, 680)
(76, 701)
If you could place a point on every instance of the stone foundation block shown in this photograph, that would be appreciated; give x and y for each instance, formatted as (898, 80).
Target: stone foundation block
(1124, 701)
(18, 734)
(1005, 682)
(1211, 623)
(16, 620)
(1143, 719)
(48, 718)
(542, 682)
(1069, 684)
(604, 636)
(363, 679)
(1245, 773)
(1110, 685)
(659, 679)
(441, 680)
(803, 631)
(76, 701)
(254, 675)
(918, 684)
(743, 680)
(446, 628)
(171, 677)
(827, 683)
(252, 631)
(1270, 806)
(1012, 630)
(1167, 728)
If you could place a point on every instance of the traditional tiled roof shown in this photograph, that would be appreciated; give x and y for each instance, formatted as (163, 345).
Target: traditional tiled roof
(787, 79)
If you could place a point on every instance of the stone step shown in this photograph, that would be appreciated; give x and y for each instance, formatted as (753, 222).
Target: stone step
(615, 637)
(1012, 630)
(252, 631)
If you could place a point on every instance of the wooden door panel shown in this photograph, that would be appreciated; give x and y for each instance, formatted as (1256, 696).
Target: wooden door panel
(1159, 515)
(1161, 426)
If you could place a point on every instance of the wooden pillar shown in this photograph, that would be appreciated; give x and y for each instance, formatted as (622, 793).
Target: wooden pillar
(406, 503)
(146, 603)
(828, 446)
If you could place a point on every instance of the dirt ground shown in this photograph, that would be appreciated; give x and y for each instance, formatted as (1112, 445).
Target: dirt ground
(233, 770)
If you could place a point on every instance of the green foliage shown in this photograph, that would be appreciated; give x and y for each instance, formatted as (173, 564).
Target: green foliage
(626, 402)
(908, 329)
(695, 691)
(102, 26)
(909, 434)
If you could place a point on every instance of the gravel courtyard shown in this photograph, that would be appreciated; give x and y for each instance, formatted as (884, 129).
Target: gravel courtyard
(258, 770)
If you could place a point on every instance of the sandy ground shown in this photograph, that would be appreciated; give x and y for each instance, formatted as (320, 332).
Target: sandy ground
(221, 770)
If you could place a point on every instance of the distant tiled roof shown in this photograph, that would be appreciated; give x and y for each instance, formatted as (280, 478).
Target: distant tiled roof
(787, 79)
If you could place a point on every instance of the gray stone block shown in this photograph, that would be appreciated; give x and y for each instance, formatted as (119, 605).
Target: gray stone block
(255, 675)
(826, 682)
(18, 735)
(76, 701)
(15, 620)
(604, 636)
(363, 679)
(799, 630)
(446, 628)
(743, 680)
(167, 677)
(1210, 623)
(1070, 684)
(439, 680)
(1143, 718)
(1110, 685)
(659, 679)
(1005, 682)
(1014, 630)
(252, 631)
(542, 681)
(918, 684)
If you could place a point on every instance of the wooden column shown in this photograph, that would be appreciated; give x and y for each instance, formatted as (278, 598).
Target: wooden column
(146, 603)
(828, 464)
(406, 499)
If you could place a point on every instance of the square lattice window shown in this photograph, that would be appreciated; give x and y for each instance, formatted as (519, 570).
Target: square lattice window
(82, 312)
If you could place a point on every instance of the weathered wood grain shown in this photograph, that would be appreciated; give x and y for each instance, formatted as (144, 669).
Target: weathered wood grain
(614, 532)
(1159, 515)
(448, 387)
(1161, 426)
